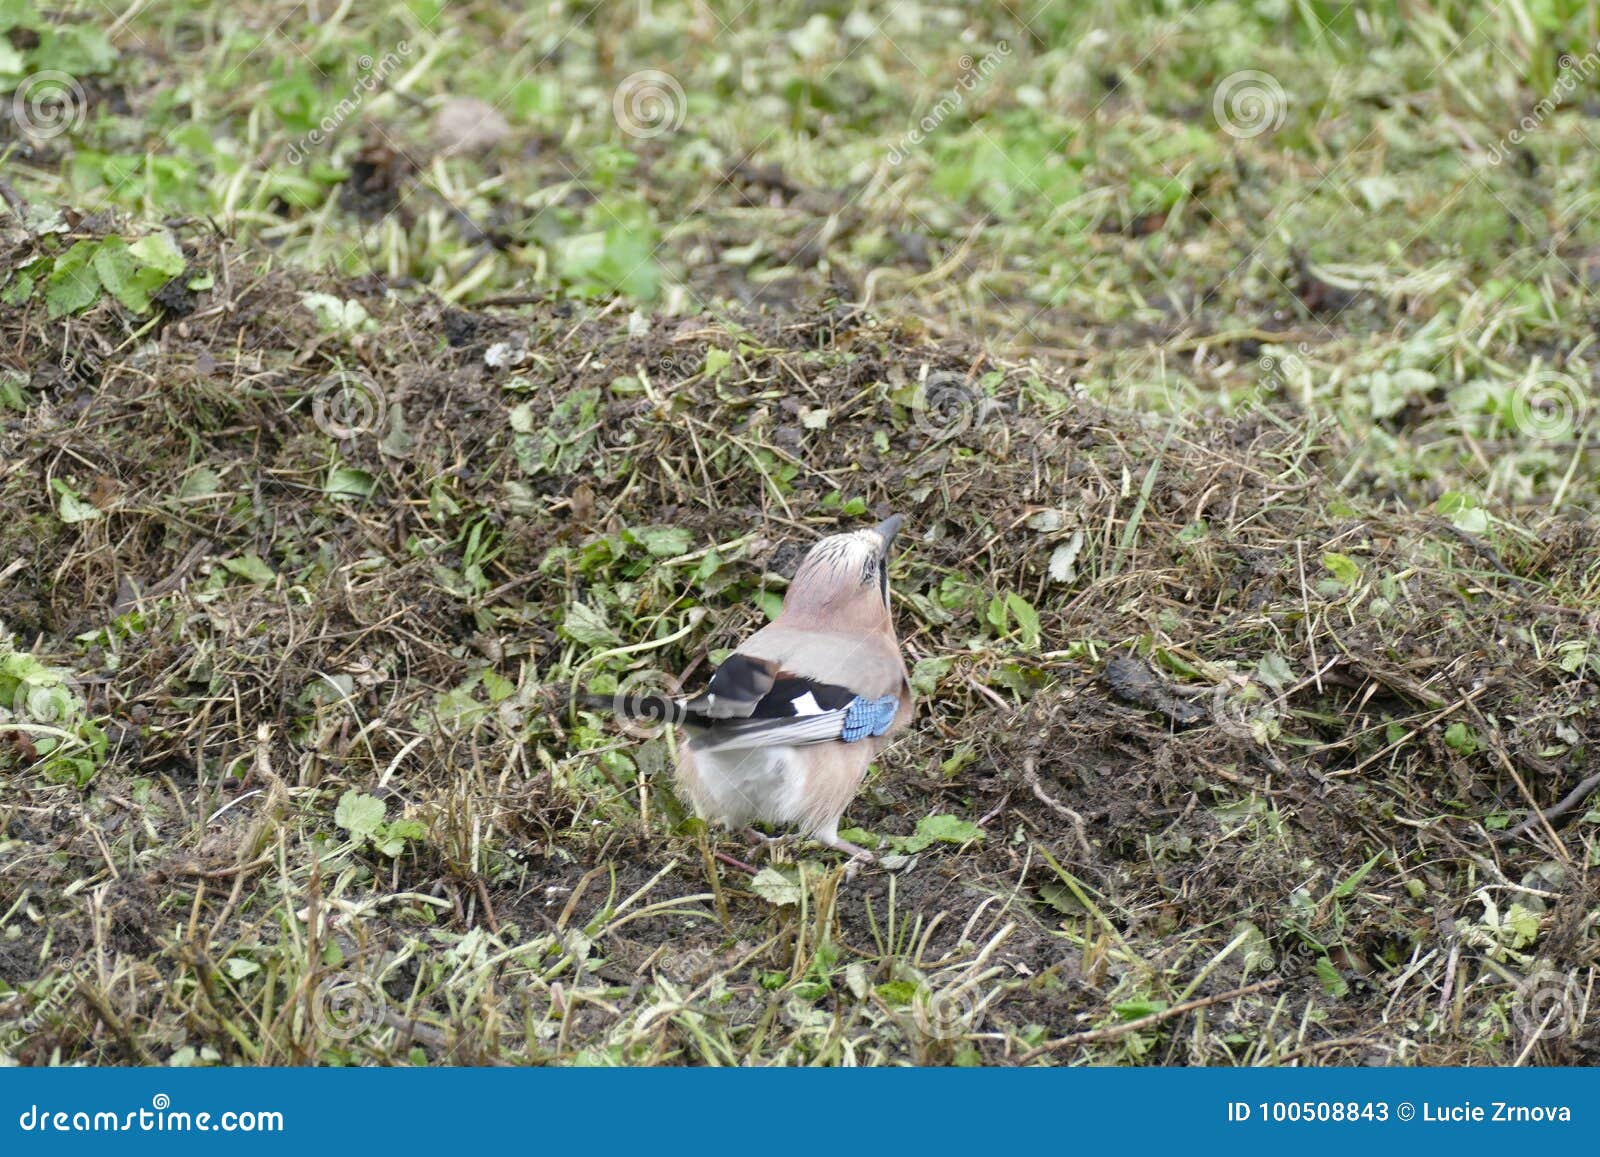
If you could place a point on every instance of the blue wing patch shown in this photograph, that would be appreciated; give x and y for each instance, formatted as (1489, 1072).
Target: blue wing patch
(864, 717)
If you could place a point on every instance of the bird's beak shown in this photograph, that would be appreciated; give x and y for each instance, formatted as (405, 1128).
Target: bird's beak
(887, 529)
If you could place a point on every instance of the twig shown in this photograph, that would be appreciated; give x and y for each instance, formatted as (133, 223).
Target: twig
(1568, 802)
(733, 863)
(224, 873)
(431, 1037)
(1031, 775)
(488, 908)
(14, 199)
(1116, 1030)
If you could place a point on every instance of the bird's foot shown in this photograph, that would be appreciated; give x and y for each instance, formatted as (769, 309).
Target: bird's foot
(855, 851)
(760, 841)
(859, 856)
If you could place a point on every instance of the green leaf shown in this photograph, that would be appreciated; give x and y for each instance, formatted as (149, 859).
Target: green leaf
(1461, 739)
(348, 482)
(113, 262)
(13, 396)
(1342, 567)
(1255, 950)
(71, 507)
(359, 814)
(250, 567)
(409, 829)
(1464, 511)
(964, 754)
(941, 829)
(20, 287)
(898, 993)
(1136, 1009)
(926, 674)
(237, 967)
(201, 483)
(775, 888)
(130, 282)
(1523, 925)
(1350, 883)
(1274, 670)
(1332, 983)
(717, 360)
(335, 313)
(862, 837)
(663, 541)
(587, 625)
(73, 285)
(160, 253)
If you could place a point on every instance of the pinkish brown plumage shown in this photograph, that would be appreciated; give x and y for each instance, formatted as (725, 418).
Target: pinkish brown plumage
(789, 724)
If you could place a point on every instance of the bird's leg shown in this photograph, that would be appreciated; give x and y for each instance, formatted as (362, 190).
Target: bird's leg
(830, 837)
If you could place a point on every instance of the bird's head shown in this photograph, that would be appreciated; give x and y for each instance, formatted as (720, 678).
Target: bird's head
(843, 581)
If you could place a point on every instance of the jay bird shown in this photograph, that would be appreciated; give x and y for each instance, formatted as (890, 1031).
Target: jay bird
(788, 724)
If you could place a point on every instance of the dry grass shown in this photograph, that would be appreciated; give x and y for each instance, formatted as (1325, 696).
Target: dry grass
(1225, 818)
(1251, 586)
